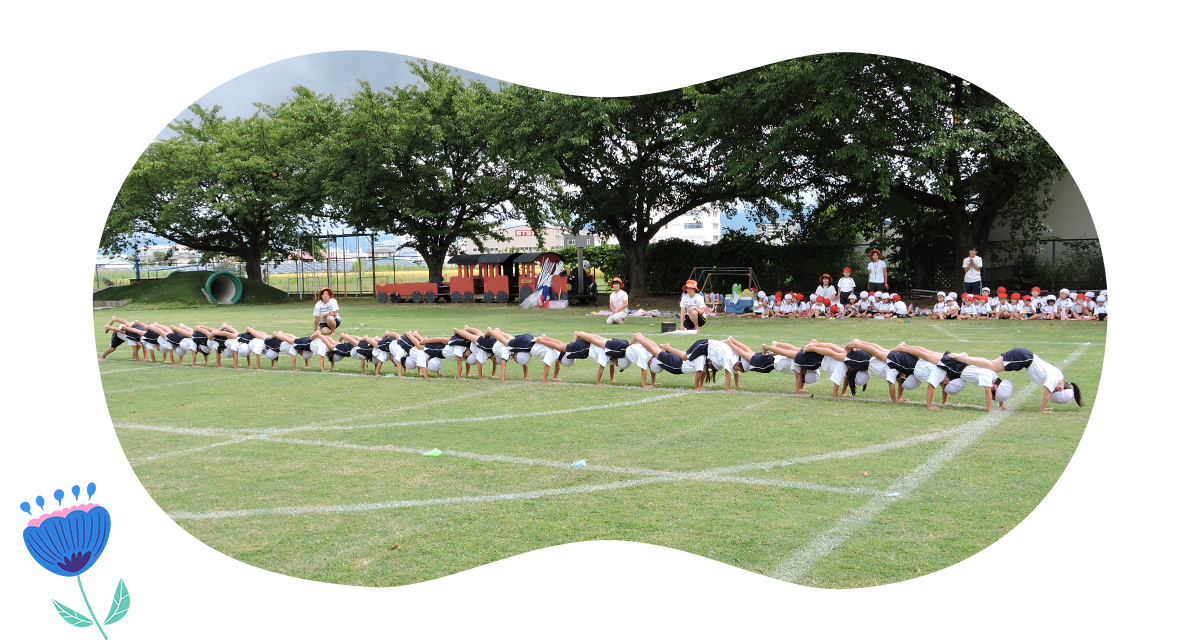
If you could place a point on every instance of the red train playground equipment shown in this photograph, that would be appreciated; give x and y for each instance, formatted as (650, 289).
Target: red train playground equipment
(488, 277)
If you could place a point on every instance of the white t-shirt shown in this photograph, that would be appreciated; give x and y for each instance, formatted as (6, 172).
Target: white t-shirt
(1044, 373)
(830, 292)
(875, 269)
(689, 301)
(972, 274)
(323, 308)
(618, 298)
(846, 284)
(899, 308)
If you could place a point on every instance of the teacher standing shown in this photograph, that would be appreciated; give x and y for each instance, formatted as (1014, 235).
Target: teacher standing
(972, 272)
(877, 278)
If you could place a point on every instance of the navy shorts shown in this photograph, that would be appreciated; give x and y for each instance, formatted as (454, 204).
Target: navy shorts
(670, 362)
(1017, 359)
(687, 321)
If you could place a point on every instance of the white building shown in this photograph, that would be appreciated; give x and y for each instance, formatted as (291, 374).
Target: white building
(177, 254)
(702, 226)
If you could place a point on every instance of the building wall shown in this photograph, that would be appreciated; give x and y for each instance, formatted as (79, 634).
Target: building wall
(518, 239)
(1068, 217)
(702, 227)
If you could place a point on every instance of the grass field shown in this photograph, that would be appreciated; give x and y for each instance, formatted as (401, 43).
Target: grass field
(320, 476)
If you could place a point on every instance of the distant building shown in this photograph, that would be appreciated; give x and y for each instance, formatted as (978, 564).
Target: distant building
(702, 226)
(171, 254)
(518, 239)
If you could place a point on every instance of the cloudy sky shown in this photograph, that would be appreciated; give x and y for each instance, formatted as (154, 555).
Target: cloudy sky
(126, 95)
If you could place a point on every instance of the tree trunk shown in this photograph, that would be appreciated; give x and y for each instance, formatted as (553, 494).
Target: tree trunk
(253, 267)
(435, 260)
(635, 252)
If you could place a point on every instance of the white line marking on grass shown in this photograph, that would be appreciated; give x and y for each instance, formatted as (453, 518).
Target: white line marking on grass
(509, 416)
(157, 386)
(803, 559)
(947, 332)
(180, 452)
(699, 476)
(397, 504)
(119, 370)
(845, 453)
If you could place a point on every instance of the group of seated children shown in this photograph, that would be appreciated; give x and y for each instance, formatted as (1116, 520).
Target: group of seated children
(1032, 306)
(866, 305)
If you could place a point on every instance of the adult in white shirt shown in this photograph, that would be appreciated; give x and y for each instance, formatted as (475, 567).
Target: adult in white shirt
(325, 314)
(691, 307)
(972, 269)
(877, 279)
(618, 302)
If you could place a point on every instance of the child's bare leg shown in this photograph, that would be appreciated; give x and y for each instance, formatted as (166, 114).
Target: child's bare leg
(591, 337)
(836, 354)
(781, 350)
(557, 345)
(996, 365)
(920, 352)
(669, 349)
(827, 345)
(876, 351)
(740, 348)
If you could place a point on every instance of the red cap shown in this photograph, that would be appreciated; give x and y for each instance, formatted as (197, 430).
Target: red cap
(1026, 297)
(833, 308)
(984, 298)
(1000, 289)
(1036, 289)
(1016, 296)
(845, 270)
(895, 297)
(968, 296)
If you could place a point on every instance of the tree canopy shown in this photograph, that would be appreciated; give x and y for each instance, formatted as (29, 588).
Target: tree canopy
(421, 161)
(880, 138)
(630, 165)
(240, 187)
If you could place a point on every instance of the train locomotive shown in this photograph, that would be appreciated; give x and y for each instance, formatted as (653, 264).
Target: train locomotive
(493, 278)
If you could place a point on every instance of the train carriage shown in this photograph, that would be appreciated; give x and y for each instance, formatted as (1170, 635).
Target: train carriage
(485, 277)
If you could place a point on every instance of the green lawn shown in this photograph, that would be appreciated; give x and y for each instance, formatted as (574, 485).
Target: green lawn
(320, 476)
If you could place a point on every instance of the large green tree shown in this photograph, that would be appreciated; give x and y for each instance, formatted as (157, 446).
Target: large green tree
(631, 165)
(240, 187)
(420, 162)
(874, 137)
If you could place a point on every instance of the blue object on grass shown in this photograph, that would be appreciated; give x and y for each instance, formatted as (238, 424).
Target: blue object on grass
(579, 463)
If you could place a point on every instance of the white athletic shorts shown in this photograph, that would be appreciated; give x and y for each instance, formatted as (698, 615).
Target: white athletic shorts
(455, 352)
(188, 344)
(978, 375)
(258, 346)
(318, 347)
(784, 364)
(692, 366)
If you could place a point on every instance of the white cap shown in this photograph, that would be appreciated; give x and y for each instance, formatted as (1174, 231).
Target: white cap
(941, 294)
(811, 376)
(787, 296)
(1090, 294)
(954, 386)
(861, 378)
(1049, 299)
(655, 367)
(523, 357)
(1004, 390)
(911, 383)
(472, 360)
(1104, 293)
(410, 363)
(853, 297)
(812, 297)
(622, 363)
(985, 289)
(863, 294)
(762, 294)
(952, 295)
(1066, 291)
(1062, 397)
(570, 362)
(1101, 298)
(435, 364)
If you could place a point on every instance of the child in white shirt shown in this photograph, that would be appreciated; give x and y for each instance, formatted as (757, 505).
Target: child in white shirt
(851, 307)
(845, 287)
(899, 309)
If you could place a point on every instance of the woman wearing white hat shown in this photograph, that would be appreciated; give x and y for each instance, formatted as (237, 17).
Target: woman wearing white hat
(1040, 371)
